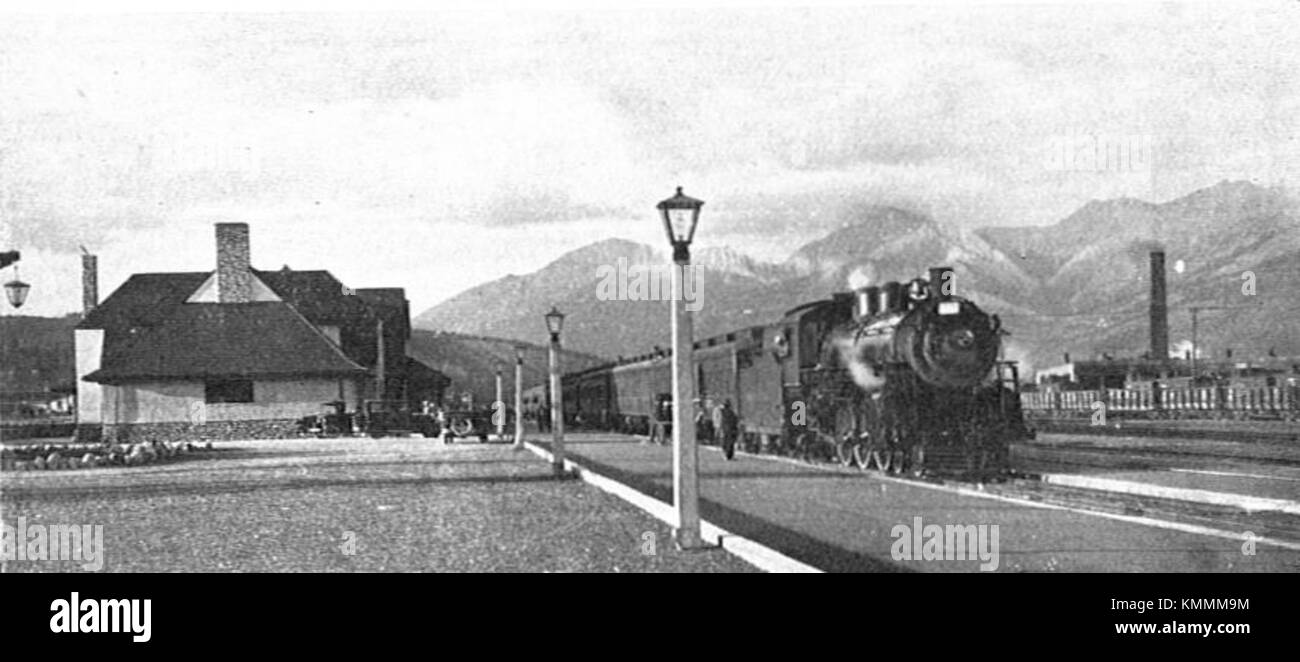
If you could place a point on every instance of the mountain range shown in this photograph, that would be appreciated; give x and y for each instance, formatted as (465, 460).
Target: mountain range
(1080, 285)
(471, 362)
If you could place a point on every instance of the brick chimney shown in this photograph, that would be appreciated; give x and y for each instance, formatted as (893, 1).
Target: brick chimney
(89, 282)
(234, 278)
(1159, 308)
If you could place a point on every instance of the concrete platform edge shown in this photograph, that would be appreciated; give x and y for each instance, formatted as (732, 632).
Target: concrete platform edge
(1243, 501)
(760, 556)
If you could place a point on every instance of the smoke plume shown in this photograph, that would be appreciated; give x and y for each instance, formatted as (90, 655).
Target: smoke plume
(852, 356)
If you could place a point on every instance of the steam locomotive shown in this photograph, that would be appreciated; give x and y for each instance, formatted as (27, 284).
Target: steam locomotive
(898, 378)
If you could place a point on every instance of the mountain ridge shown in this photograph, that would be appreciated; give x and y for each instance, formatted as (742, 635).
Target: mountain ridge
(1043, 279)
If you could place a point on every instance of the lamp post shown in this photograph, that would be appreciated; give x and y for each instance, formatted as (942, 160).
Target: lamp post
(519, 398)
(499, 405)
(1195, 311)
(16, 290)
(554, 323)
(680, 215)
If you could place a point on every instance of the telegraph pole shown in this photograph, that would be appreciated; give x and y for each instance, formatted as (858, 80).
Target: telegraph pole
(501, 408)
(519, 399)
(554, 323)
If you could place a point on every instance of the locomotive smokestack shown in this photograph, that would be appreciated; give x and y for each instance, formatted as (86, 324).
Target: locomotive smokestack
(891, 297)
(1159, 308)
(867, 302)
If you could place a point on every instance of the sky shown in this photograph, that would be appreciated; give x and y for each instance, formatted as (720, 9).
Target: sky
(435, 151)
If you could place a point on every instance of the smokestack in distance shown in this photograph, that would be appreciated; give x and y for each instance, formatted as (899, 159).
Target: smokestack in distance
(1159, 308)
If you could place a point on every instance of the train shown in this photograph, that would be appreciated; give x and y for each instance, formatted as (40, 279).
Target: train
(900, 378)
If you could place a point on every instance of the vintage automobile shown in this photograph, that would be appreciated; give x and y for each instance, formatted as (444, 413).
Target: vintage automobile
(468, 423)
(333, 423)
(383, 418)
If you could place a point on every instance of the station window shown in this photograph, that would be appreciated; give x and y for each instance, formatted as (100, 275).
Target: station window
(228, 390)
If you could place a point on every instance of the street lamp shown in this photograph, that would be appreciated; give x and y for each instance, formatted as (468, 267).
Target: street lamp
(554, 323)
(519, 398)
(680, 216)
(16, 290)
(500, 406)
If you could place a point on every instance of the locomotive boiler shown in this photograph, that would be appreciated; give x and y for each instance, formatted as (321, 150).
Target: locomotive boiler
(946, 341)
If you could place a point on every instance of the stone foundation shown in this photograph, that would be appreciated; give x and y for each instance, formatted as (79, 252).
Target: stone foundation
(88, 434)
(211, 431)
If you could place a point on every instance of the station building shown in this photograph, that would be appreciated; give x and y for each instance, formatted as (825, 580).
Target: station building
(233, 352)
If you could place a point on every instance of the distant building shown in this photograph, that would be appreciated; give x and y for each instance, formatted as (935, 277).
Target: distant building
(425, 384)
(234, 352)
(1141, 373)
(35, 404)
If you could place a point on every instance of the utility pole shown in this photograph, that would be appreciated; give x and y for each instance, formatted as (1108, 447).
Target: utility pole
(554, 324)
(381, 378)
(500, 406)
(519, 398)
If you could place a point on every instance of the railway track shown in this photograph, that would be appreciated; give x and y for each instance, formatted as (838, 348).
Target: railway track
(1261, 432)
(1149, 457)
(1268, 524)
(1029, 487)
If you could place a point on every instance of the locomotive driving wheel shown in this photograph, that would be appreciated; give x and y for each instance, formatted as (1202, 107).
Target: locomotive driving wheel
(845, 440)
(872, 450)
(844, 451)
(862, 453)
(898, 463)
(883, 459)
(803, 446)
(917, 460)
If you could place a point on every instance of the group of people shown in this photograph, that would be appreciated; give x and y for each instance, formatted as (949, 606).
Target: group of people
(718, 423)
(543, 417)
(721, 425)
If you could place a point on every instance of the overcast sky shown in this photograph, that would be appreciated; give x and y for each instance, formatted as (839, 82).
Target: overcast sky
(437, 151)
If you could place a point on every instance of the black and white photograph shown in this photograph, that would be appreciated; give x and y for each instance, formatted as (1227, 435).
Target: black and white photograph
(652, 287)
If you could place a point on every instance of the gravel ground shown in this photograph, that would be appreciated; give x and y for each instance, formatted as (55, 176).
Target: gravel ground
(391, 505)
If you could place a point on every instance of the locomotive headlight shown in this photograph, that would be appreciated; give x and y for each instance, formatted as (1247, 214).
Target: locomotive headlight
(949, 308)
(963, 339)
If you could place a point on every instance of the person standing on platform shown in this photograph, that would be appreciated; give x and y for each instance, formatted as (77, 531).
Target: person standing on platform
(727, 426)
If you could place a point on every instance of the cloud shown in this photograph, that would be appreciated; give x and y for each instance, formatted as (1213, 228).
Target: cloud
(548, 130)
